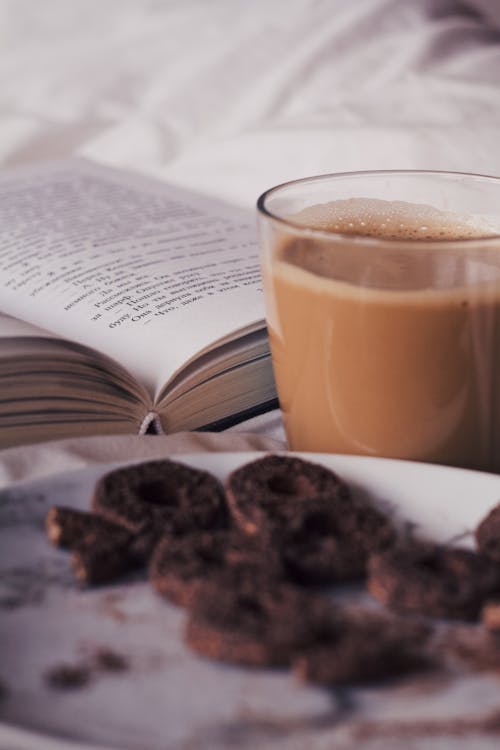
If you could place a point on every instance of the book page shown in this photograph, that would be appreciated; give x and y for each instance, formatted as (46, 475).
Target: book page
(53, 388)
(14, 327)
(146, 273)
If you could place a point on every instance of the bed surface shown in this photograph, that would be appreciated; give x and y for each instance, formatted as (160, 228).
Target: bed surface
(230, 97)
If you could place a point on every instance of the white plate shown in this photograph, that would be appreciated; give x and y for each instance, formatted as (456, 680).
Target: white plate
(172, 700)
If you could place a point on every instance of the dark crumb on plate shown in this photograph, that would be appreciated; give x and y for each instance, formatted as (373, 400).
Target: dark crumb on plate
(455, 727)
(111, 661)
(67, 676)
(3, 691)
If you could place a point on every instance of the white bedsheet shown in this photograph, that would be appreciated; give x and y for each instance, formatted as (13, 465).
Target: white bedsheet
(232, 96)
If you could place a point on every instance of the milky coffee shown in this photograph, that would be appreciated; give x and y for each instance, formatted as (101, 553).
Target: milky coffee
(388, 348)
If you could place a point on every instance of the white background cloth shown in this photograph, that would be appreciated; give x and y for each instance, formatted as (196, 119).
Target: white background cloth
(230, 97)
(39, 461)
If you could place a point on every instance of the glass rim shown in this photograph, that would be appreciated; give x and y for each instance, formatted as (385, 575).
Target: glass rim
(297, 228)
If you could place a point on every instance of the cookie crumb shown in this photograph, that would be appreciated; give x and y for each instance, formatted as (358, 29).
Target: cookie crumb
(3, 691)
(67, 676)
(111, 661)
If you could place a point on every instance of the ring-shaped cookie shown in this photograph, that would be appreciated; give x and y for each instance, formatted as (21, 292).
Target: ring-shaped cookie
(242, 617)
(180, 563)
(164, 495)
(259, 493)
(433, 580)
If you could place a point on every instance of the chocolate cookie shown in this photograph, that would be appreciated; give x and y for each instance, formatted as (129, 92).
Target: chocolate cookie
(433, 580)
(103, 556)
(159, 497)
(101, 551)
(67, 527)
(362, 649)
(241, 617)
(180, 564)
(490, 616)
(488, 534)
(472, 646)
(260, 493)
(324, 541)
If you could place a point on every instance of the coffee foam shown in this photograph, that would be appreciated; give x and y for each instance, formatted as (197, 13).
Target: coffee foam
(392, 220)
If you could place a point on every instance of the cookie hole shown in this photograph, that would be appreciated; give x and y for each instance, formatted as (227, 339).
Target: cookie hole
(431, 564)
(157, 493)
(283, 484)
(250, 606)
(209, 556)
(318, 524)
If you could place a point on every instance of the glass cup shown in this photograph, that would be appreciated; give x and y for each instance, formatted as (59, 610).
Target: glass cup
(382, 295)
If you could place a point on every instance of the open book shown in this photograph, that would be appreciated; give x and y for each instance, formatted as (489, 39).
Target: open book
(125, 304)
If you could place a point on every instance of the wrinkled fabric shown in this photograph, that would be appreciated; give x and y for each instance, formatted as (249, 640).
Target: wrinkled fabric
(43, 460)
(230, 97)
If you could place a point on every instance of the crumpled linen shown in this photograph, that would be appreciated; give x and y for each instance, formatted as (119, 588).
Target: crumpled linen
(488, 10)
(231, 97)
(54, 457)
